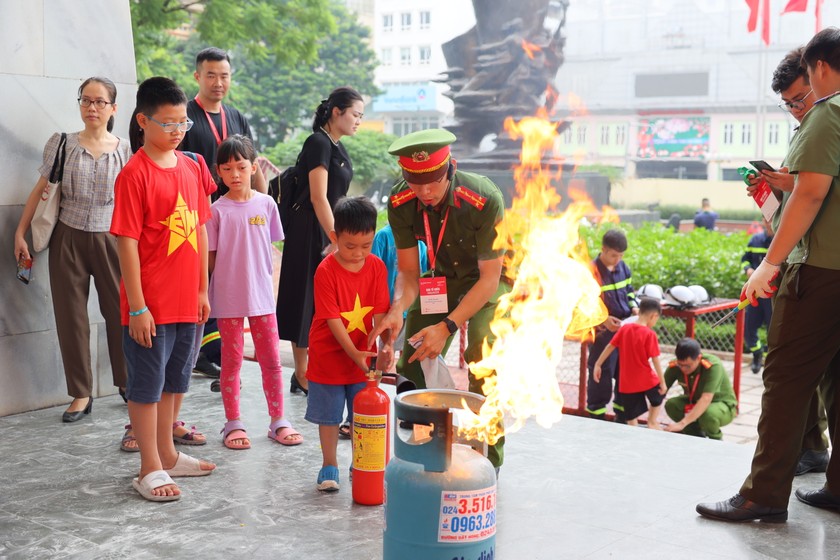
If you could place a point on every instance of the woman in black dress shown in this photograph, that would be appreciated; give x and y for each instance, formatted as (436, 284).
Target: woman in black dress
(325, 166)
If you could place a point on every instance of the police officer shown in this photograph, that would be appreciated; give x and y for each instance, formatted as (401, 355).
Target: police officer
(708, 401)
(456, 214)
(758, 315)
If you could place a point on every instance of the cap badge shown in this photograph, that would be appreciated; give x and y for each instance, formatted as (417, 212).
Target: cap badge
(420, 157)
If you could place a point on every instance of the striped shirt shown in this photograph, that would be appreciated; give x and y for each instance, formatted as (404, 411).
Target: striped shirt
(87, 188)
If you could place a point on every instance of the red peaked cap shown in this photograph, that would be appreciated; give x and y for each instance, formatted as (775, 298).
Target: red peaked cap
(423, 155)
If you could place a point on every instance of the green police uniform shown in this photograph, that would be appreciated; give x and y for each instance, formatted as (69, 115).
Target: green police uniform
(474, 205)
(709, 377)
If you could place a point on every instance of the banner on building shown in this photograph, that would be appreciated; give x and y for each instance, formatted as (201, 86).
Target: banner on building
(673, 137)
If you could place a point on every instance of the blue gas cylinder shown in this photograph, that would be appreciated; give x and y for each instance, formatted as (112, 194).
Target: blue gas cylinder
(440, 498)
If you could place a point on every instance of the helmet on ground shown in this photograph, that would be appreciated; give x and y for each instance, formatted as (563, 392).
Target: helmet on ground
(680, 297)
(700, 294)
(651, 290)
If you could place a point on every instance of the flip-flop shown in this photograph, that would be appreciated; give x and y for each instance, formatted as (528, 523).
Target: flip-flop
(232, 427)
(285, 430)
(128, 438)
(154, 479)
(344, 431)
(189, 437)
(188, 466)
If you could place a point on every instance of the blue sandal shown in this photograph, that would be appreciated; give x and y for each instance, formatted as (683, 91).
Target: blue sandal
(328, 479)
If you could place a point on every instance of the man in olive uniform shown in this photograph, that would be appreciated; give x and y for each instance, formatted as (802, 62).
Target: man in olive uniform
(708, 401)
(456, 214)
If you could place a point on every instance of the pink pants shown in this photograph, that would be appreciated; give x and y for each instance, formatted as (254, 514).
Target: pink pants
(267, 346)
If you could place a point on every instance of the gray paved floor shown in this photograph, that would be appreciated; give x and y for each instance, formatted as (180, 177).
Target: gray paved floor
(583, 489)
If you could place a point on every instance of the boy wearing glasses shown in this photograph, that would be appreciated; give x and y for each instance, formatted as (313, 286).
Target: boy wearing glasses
(160, 207)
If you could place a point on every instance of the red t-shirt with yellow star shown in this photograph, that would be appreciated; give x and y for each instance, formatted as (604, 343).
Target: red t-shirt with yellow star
(163, 209)
(353, 297)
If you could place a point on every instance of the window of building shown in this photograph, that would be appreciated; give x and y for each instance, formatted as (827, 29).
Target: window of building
(425, 54)
(405, 21)
(387, 22)
(404, 125)
(773, 134)
(567, 135)
(405, 56)
(746, 133)
(605, 135)
(728, 133)
(730, 174)
(620, 135)
(425, 20)
(385, 56)
(581, 134)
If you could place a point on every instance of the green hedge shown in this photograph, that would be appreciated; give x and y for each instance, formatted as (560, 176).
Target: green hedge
(658, 255)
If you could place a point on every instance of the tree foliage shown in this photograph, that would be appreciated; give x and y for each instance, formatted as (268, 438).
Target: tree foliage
(284, 30)
(281, 98)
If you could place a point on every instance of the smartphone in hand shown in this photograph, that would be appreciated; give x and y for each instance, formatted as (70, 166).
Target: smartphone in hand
(24, 269)
(762, 165)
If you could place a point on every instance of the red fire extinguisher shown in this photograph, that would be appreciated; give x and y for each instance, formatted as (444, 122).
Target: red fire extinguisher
(371, 444)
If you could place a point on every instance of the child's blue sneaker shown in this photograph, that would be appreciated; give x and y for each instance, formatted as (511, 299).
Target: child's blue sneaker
(328, 479)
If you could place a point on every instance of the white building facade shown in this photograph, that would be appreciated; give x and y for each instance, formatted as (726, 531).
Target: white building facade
(676, 88)
(407, 37)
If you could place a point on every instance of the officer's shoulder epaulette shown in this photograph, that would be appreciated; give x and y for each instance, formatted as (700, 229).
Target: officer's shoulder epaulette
(672, 363)
(705, 363)
(402, 197)
(470, 197)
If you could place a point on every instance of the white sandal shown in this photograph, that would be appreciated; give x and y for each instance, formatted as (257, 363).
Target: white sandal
(151, 481)
(186, 465)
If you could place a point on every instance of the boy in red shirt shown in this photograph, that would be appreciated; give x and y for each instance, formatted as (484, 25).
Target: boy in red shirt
(160, 208)
(637, 382)
(351, 296)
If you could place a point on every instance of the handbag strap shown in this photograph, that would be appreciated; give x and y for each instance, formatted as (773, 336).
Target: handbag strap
(57, 172)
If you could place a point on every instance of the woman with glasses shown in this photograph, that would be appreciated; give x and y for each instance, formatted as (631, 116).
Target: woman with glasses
(81, 246)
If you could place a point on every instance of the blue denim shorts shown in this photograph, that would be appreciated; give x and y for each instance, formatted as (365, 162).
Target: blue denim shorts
(325, 404)
(165, 367)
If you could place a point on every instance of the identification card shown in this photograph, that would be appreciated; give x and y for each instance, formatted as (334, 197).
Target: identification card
(433, 295)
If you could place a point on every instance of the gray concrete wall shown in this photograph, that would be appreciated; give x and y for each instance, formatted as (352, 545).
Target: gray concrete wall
(47, 48)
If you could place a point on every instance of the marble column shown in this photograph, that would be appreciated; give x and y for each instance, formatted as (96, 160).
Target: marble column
(47, 48)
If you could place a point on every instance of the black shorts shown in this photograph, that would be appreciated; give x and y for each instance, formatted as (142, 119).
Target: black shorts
(636, 404)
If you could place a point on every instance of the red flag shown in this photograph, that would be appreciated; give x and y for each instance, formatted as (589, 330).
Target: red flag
(765, 23)
(797, 6)
(818, 14)
(751, 23)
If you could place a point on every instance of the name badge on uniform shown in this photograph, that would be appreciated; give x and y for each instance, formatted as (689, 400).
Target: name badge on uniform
(433, 295)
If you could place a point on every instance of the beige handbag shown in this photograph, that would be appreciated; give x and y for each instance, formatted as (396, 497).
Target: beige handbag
(46, 213)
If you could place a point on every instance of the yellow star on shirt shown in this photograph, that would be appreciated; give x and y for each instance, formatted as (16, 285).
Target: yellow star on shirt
(356, 318)
(183, 226)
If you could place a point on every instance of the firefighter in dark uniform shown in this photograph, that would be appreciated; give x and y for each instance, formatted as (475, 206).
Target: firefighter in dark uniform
(614, 276)
(456, 214)
(760, 314)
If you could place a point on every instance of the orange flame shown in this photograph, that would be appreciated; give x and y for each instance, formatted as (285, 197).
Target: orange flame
(530, 49)
(554, 296)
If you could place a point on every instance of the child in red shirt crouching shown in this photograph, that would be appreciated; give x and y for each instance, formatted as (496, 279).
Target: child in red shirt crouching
(639, 347)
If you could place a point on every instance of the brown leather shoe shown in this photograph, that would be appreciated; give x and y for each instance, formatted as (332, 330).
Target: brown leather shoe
(818, 498)
(738, 508)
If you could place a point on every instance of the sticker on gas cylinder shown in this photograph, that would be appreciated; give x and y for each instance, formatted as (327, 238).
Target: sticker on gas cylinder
(467, 515)
(370, 434)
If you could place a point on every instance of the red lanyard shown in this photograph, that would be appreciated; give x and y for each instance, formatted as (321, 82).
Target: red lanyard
(429, 245)
(696, 381)
(213, 126)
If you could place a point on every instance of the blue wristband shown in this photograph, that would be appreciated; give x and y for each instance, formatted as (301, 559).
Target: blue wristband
(138, 312)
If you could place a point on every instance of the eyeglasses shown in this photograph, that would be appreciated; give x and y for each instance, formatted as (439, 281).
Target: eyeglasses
(797, 105)
(98, 103)
(171, 127)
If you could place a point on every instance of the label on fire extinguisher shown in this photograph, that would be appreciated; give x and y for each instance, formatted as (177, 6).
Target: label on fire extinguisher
(467, 515)
(370, 434)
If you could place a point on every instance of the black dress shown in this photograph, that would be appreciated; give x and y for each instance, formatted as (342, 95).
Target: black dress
(305, 239)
